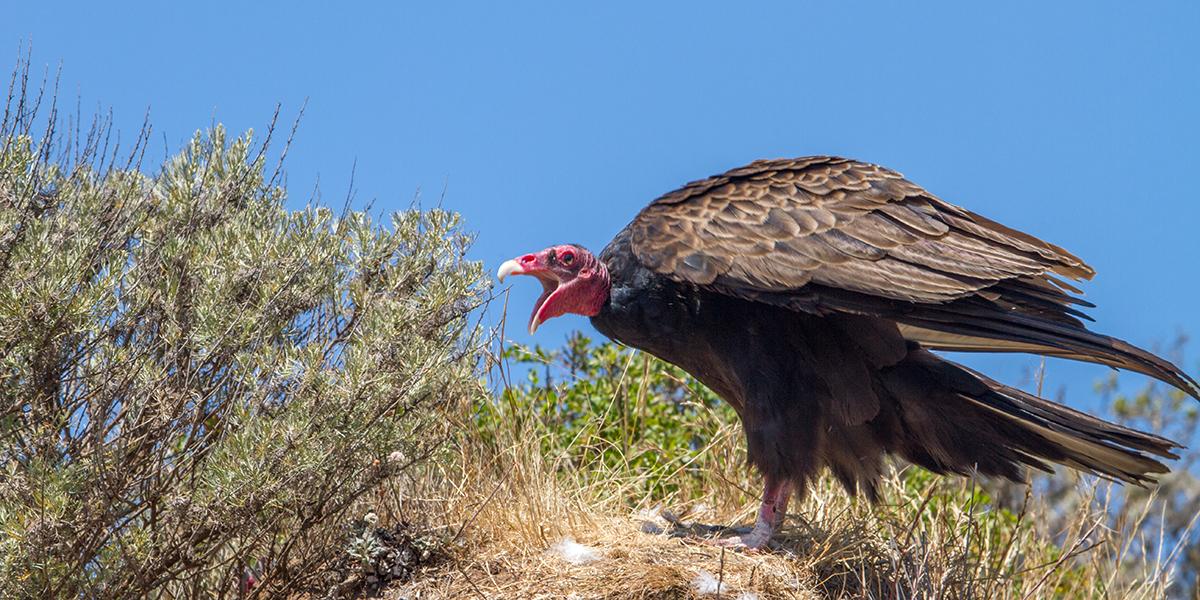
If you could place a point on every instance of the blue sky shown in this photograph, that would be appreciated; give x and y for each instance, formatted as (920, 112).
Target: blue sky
(554, 122)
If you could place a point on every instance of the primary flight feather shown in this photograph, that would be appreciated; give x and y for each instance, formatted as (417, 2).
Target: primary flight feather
(808, 292)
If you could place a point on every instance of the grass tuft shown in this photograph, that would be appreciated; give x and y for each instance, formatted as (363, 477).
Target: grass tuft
(598, 444)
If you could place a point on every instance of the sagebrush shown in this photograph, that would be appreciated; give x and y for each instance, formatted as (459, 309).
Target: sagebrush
(197, 383)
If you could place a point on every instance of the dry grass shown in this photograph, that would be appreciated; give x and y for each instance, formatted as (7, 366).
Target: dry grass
(507, 503)
(832, 547)
(931, 537)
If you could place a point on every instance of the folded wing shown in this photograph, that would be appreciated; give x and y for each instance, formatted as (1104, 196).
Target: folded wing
(831, 235)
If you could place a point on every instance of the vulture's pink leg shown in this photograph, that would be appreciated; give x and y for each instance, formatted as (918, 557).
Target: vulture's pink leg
(770, 516)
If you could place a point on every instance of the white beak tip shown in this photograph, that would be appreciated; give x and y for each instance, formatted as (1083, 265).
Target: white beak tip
(510, 267)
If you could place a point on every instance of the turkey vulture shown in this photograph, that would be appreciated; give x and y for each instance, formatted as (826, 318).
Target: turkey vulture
(808, 293)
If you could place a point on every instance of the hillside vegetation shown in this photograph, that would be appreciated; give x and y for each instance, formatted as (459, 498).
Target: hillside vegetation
(200, 388)
(623, 454)
(208, 390)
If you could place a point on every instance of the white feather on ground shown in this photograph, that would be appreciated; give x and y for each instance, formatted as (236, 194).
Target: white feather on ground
(649, 518)
(706, 584)
(575, 553)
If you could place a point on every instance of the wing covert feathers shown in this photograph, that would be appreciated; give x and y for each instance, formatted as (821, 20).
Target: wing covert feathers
(778, 225)
(831, 235)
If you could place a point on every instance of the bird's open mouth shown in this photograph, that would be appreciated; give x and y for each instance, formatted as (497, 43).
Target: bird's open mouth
(549, 282)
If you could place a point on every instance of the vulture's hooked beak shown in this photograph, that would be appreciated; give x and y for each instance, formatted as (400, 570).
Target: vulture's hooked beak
(510, 267)
(531, 266)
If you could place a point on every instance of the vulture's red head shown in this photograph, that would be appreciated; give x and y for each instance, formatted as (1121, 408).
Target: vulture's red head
(573, 281)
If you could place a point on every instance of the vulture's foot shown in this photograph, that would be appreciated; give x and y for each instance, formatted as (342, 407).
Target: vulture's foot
(770, 517)
(755, 540)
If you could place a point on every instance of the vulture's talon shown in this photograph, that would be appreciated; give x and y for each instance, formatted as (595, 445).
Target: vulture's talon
(751, 542)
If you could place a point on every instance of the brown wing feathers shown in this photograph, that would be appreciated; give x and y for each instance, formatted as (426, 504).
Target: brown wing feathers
(826, 234)
(830, 219)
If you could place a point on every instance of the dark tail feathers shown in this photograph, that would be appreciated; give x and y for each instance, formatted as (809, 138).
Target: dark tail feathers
(950, 419)
(968, 326)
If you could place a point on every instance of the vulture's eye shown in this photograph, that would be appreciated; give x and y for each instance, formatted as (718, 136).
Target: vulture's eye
(566, 258)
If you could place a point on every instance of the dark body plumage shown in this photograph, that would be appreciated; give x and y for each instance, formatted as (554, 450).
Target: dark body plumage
(808, 292)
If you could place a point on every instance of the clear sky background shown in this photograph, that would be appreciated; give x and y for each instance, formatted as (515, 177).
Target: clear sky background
(1078, 122)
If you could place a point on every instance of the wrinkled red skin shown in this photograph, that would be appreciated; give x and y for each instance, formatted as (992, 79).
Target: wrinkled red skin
(573, 281)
